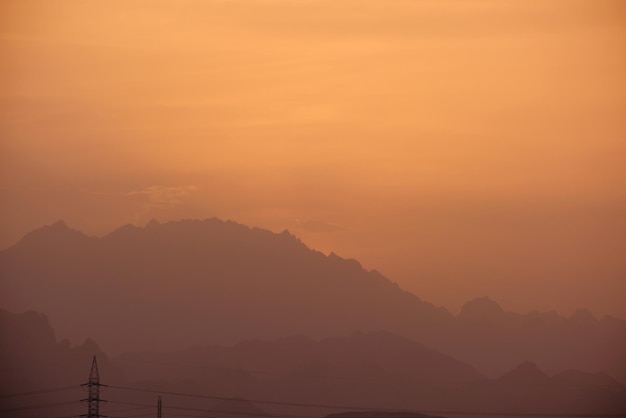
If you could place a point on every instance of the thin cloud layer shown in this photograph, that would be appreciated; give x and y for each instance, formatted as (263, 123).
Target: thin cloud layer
(163, 197)
(312, 225)
(468, 145)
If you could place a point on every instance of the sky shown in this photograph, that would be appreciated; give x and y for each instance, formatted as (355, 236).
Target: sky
(462, 148)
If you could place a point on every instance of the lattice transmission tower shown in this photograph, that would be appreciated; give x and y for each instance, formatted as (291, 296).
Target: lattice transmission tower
(93, 387)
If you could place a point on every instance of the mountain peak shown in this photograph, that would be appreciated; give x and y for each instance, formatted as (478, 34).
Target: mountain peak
(152, 224)
(56, 234)
(58, 227)
(210, 261)
(527, 373)
(481, 308)
(60, 224)
(583, 315)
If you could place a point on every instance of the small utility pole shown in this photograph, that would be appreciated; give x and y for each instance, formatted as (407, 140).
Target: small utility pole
(93, 386)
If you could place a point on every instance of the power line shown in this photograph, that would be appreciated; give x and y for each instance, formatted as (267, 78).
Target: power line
(24, 408)
(37, 392)
(358, 408)
(238, 412)
(115, 411)
(14, 367)
(255, 414)
(223, 398)
(168, 416)
(145, 414)
(496, 414)
(251, 371)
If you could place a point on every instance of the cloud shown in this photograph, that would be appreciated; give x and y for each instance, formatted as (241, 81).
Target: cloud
(311, 225)
(164, 197)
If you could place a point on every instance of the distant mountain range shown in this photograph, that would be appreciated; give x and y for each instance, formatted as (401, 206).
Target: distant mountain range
(31, 358)
(375, 370)
(174, 285)
(33, 361)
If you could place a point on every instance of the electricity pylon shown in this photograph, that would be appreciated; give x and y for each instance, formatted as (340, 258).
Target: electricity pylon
(93, 386)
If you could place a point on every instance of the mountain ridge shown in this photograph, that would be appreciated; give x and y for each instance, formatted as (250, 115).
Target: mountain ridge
(373, 370)
(210, 281)
(467, 309)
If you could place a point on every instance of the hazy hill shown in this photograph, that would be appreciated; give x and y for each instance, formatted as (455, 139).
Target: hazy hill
(173, 285)
(526, 374)
(385, 367)
(527, 388)
(491, 338)
(194, 282)
(32, 358)
(373, 370)
(33, 361)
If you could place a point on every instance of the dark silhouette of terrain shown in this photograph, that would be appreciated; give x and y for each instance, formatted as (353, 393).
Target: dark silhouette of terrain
(234, 408)
(387, 367)
(376, 370)
(177, 284)
(527, 388)
(373, 371)
(380, 415)
(31, 359)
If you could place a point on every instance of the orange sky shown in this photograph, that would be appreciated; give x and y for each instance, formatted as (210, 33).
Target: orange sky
(462, 148)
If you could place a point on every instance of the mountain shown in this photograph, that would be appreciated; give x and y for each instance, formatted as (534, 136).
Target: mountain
(481, 310)
(526, 374)
(527, 388)
(375, 370)
(33, 361)
(493, 340)
(372, 369)
(192, 282)
(295, 376)
(172, 285)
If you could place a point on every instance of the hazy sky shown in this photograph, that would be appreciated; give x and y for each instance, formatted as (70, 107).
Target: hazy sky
(461, 147)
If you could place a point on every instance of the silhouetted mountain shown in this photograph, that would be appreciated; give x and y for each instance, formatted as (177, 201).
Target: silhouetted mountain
(374, 371)
(492, 338)
(50, 236)
(381, 364)
(200, 281)
(190, 282)
(32, 360)
(582, 317)
(528, 389)
(526, 374)
(481, 309)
